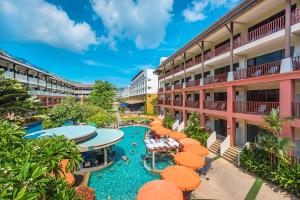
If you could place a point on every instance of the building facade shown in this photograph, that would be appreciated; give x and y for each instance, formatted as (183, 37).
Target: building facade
(49, 88)
(142, 90)
(237, 70)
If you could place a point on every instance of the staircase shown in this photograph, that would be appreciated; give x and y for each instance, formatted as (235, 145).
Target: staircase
(230, 155)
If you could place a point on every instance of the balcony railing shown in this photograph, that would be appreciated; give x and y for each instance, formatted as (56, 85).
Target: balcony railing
(160, 101)
(177, 102)
(193, 83)
(189, 63)
(178, 86)
(296, 109)
(168, 102)
(178, 69)
(296, 63)
(168, 88)
(254, 107)
(161, 77)
(257, 71)
(169, 73)
(216, 79)
(192, 104)
(161, 89)
(216, 105)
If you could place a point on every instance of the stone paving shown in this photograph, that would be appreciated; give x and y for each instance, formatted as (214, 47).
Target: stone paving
(227, 182)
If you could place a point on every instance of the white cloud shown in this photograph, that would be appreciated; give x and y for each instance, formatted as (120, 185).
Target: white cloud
(39, 21)
(143, 21)
(198, 8)
(95, 63)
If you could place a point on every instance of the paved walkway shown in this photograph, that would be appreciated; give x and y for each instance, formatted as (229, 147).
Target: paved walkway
(226, 181)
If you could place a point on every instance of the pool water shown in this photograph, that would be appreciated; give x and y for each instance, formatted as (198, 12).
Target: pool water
(37, 126)
(122, 181)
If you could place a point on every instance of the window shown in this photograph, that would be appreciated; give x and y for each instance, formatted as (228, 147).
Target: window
(271, 95)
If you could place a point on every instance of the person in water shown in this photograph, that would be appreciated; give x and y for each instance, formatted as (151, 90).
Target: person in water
(124, 157)
(132, 151)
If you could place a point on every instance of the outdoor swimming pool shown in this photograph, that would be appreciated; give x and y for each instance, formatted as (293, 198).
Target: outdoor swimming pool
(121, 180)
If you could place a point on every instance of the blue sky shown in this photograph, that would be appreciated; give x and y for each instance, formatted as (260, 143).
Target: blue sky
(88, 40)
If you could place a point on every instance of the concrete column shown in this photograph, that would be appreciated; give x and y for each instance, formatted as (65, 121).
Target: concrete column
(184, 116)
(230, 120)
(287, 51)
(183, 99)
(153, 160)
(201, 103)
(105, 156)
(286, 97)
(14, 67)
(184, 59)
(202, 63)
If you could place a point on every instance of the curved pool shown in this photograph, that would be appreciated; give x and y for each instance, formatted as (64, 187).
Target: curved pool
(121, 180)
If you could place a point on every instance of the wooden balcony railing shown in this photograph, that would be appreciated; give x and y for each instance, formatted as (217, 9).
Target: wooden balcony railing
(168, 102)
(254, 107)
(169, 87)
(177, 102)
(216, 79)
(296, 63)
(160, 101)
(178, 69)
(161, 77)
(161, 89)
(189, 63)
(169, 73)
(192, 104)
(193, 83)
(296, 109)
(257, 71)
(216, 105)
(178, 86)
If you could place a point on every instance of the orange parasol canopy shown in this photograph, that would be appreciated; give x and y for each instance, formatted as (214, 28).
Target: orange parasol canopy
(185, 178)
(177, 135)
(196, 149)
(156, 127)
(68, 175)
(163, 132)
(156, 123)
(157, 119)
(190, 160)
(188, 141)
(160, 190)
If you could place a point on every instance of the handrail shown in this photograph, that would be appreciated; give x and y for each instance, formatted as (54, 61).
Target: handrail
(175, 125)
(180, 127)
(225, 145)
(246, 145)
(211, 139)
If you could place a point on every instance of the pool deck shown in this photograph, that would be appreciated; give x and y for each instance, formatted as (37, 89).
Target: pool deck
(226, 181)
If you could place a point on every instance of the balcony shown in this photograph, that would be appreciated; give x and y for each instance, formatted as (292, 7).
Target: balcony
(161, 89)
(192, 104)
(9, 74)
(161, 77)
(258, 71)
(216, 105)
(216, 79)
(177, 102)
(189, 63)
(167, 88)
(193, 83)
(178, 86)
(160, 101)
(296, 109)
(254, 107)
(178, 69)
(21, 78)
(168, 102)
(169, 73)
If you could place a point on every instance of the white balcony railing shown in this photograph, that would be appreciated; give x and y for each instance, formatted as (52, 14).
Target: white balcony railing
(33, 80)
(212, 138)
(21, 78)
(42, 83)
(9, 74)
(225, 145)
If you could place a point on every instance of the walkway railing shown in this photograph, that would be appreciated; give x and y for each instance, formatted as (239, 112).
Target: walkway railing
(211, 139)
(177, 102)
(254, 107)
(225, 145)
(216, 79)
(192, 83)
(168, 102)
(178, 86)
(178, 69)
(216, 105)
(168, 88)
(192, 104)
(161, 89)
(257, 71)
(296, 109)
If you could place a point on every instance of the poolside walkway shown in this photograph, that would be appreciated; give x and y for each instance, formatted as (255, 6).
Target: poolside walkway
(226, 181)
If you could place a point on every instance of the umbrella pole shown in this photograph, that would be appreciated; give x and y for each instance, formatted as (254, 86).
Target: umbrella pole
(153, 160)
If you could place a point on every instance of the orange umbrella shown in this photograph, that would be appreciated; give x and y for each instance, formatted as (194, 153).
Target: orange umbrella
(196, 149)
(156, 123)
(156, 127)
(157, 119)
(185, 178)
(188, 141)
(177, 135)
(159, 190)
(163, 132)
(190, 160)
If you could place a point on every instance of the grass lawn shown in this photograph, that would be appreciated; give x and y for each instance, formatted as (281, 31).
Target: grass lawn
(254, 190)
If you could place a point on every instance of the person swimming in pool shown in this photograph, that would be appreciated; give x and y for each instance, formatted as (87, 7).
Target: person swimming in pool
(132, 152)
(134, 144)
(124, 157)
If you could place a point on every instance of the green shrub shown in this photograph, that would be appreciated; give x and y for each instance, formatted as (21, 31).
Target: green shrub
(168, 120)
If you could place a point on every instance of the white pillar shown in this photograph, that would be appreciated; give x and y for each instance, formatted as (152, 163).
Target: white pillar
(153, 160)
(105, 156)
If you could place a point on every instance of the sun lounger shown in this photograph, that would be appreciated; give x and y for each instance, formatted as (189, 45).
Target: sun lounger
(147, 141)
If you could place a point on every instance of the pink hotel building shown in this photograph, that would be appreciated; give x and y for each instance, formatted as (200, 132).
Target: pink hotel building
(236, 71)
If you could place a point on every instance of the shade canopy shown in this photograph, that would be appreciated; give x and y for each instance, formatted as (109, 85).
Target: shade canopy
(177, 135)
(156, 127)
(160, 190)
(163, 132)
(156, 123)
(188, 141)
(185, 178)
(157, 119)
(189, 160)
(196, 149)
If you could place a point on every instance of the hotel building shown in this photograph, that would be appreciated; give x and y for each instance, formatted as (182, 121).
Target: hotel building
(142, 90)
(237, 70)
(49, 88)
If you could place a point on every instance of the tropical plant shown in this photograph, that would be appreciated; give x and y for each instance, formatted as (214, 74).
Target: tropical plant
(102, 95)
(29, 169)
(168, 120)
(154, 105)
(102, 119)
